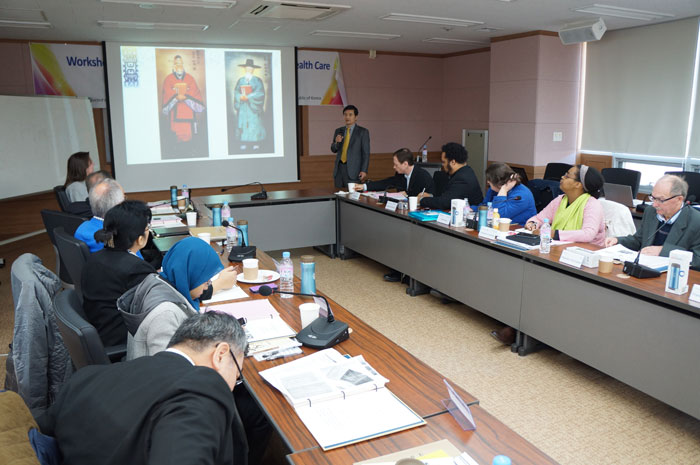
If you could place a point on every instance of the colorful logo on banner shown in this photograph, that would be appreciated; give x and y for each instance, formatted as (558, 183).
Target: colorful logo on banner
(320, 79)
(70, 70)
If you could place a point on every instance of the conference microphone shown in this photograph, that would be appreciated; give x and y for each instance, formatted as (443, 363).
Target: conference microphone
(423, 144)
(262, 195)
(641, 271)
(321, 333)
(226, 224)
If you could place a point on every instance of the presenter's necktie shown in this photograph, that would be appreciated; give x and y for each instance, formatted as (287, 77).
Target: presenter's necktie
(346, 142)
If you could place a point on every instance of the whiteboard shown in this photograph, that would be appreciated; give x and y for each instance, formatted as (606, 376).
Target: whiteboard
(37, 135)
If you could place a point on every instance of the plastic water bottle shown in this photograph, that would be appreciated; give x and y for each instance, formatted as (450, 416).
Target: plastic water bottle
(424, 154)
(225, 210)
(467, 210)
(489, 214)
(496, 218)
(545, 236)
(286, 275)
(501, 460)
(186, 194)
(231, 234)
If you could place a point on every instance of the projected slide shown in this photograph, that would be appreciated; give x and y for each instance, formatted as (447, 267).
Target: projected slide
(200, 103)
(201, 115)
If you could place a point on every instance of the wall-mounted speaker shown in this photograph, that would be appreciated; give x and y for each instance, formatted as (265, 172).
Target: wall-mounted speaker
(582, 31)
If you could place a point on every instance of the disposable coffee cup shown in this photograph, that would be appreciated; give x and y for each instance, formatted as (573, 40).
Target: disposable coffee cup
(413, 203)
(605, 265)
(504, 224)
(351, 186)
(206, 237)
(308, 312)
(182, 202)
(250, 269)
(191, 219)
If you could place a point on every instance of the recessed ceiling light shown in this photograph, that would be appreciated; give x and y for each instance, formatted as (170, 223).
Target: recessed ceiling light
(355, 35)
(430, 20)
(619, 12)
(488, 29)
(444, 40)
(189, 3)
(141, 25)
(30, 24)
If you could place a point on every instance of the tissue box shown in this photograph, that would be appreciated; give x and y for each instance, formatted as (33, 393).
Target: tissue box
(677, 274)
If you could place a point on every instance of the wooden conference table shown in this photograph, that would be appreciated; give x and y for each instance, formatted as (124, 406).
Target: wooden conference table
(626, 327)
(415, 383)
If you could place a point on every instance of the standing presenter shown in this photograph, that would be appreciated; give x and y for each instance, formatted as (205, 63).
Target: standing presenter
(351, 146)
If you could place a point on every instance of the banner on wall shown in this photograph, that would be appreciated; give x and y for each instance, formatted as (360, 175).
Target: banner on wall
(320, 79)
(70, 70)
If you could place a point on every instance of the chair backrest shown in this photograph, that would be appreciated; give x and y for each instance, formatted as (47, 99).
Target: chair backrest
(693, 180)
(80, 337)
(61, 197)
(440, 180)
(554, 171)
(623, 176)
(618, 219)
(523, 175)
(74, 253)
(53, 219)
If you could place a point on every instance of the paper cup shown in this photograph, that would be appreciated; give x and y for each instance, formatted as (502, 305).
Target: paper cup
(351, 186)
(605, 265)
(250, 269)
(206, 237)
(504, 224)
(308, 312)
(191, 219)
(413, 203)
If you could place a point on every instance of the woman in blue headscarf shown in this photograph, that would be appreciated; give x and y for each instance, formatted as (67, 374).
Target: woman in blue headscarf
(154, 309)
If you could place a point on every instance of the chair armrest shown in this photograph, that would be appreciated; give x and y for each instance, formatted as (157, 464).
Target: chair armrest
(116, 353)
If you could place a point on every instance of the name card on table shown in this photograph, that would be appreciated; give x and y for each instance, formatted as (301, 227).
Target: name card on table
(487, 233)
(354, 195)
(391, 206)
(695, 294)
(571, 258)
(444, 218)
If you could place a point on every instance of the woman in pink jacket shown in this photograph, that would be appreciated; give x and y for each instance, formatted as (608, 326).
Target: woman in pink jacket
(575, 216)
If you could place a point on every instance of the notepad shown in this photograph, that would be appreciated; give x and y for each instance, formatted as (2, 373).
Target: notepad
(341, 401)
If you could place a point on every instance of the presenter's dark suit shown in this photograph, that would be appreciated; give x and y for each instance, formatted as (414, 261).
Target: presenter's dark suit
(684, 234)
(357, 156)
(152, 410)
(462, 184)
(420, 179)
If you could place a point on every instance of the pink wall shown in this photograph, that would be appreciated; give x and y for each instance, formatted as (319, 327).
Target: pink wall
(534, 92)
(404, 99)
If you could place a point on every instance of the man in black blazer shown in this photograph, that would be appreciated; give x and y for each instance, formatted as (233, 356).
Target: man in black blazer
(172, 408)
(351, 146)
(670, 225)
(462, 183)
(409, 178)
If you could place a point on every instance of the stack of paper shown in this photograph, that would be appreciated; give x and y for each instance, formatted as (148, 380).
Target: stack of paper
(341, 401)
(262, 320)
(623, 254)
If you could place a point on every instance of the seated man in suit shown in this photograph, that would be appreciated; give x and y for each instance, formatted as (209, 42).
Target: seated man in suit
(104, 195)
(462, 183)
(677, 225)
(174, 407)
(409, 179)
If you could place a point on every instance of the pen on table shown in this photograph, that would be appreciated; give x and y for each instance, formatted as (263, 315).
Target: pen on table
(271, 354)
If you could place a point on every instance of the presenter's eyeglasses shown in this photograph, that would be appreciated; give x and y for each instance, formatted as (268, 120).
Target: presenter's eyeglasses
(653, 199)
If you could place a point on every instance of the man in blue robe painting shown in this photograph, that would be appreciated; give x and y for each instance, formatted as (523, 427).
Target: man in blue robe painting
(249, 103)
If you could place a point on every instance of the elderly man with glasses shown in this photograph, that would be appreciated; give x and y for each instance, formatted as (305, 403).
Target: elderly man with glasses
(174, 407)
(670, 225)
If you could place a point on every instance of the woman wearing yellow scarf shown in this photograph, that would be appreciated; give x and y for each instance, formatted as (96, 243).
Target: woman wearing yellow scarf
(575, 216)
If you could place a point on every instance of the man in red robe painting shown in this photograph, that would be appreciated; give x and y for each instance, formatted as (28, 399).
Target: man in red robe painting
(181, 101)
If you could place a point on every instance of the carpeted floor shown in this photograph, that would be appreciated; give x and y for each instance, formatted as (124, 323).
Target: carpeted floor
(572, 412)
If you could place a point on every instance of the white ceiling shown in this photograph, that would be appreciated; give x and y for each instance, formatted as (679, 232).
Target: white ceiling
(76, 20)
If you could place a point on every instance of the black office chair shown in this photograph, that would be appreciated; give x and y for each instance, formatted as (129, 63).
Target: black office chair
(523, 175)
(62, 198)
(440, 180)
(74, 253)
(53, 219)
(693, 180)
(80, 337)
(554, 171)
(623, 176)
